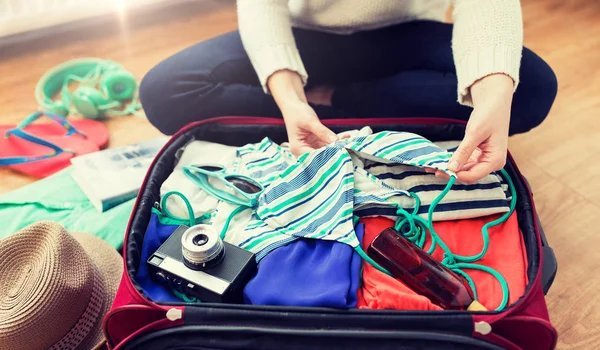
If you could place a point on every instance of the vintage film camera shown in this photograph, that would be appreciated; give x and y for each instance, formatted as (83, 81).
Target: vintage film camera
(195, 261)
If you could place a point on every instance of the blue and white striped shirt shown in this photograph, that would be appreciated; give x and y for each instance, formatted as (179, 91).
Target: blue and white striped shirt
(318, 195)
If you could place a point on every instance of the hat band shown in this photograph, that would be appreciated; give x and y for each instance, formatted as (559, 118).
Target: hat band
(88, 319)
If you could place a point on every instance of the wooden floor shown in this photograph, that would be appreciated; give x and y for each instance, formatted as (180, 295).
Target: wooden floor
(561, 158)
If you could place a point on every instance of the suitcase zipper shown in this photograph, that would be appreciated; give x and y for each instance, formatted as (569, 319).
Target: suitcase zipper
(174, 314)
(483, 328)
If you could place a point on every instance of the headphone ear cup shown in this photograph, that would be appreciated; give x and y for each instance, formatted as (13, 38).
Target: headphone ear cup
(88, 101)
(119, 85)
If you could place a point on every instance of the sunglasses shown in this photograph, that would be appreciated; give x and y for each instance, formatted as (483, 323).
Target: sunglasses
(246, 189)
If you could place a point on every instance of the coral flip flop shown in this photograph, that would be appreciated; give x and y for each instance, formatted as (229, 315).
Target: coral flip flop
(86, 129)
(41, 150)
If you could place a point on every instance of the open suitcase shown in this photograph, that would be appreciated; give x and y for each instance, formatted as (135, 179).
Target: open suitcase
(138, 323)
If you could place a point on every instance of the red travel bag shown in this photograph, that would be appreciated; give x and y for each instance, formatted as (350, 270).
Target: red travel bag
(135, 322)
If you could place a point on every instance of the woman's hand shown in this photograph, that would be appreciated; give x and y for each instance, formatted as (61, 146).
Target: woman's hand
(484, 148)
(305, 130)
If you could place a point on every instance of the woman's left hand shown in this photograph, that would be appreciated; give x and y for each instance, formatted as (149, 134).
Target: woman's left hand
(484, 147)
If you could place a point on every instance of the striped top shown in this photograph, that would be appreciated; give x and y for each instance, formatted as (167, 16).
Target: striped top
(318, 195)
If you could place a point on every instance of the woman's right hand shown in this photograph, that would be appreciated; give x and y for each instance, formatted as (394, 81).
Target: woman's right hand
(305, 131)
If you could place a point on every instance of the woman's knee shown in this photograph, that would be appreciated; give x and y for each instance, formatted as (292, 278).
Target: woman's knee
(535, 94)
(168, 100)
(185, 87)
(152, 99)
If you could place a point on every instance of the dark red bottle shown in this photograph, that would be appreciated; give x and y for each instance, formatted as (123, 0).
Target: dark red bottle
(421, 272)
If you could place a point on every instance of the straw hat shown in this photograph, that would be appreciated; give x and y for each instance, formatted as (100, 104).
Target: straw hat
(55, 288)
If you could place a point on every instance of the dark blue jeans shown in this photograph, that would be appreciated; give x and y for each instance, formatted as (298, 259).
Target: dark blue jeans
(406, 70)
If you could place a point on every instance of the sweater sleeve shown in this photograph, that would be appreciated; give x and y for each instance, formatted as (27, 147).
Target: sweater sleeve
(266, 31)
(487, 39)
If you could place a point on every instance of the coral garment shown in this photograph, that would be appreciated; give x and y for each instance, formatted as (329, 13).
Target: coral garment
(506, 254)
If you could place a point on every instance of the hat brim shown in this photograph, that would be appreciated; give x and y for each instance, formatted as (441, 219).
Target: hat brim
(110, 265)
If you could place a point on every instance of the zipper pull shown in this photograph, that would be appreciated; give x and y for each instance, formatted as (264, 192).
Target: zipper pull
(157, 206)
(483, 328)
(174, 314)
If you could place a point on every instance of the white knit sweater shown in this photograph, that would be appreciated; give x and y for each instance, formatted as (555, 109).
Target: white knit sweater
(487, 34)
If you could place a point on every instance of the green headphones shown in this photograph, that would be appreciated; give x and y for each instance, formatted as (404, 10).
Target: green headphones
(104, 87)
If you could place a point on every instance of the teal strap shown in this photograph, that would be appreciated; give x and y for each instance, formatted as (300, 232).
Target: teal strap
(185, 297)
(456, 262)
(33, 139)
(20, 133)
(190, 210)
(191, 219)
(414, 228)
(230, 218)
(163, 219)
(60, 120)
(201, 179)
(503, 284)
(500, 220)
(368, 259)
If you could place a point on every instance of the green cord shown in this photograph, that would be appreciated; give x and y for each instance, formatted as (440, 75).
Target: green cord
(456, 262)
(237, 210)
(190, 211)
(467, 278)
(191, 219)
(496, 274)
(414, 229)
(432, 207)
(368, 259)
(503, 219)
(185, 297)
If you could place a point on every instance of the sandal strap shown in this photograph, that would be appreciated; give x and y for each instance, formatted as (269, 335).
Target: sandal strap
(33, 139)
(60, 120)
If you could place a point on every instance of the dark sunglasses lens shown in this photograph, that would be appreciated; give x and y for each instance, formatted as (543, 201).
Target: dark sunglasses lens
(244, 185)
(211, 168)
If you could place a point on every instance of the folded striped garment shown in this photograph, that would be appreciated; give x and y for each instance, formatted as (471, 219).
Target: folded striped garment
(318, 195)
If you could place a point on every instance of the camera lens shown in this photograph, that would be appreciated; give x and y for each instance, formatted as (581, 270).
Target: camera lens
(200, 240)
(201, 247)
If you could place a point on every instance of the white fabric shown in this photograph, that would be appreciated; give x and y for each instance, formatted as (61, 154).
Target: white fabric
(203, 152)
(197, 152)
(364, 131)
